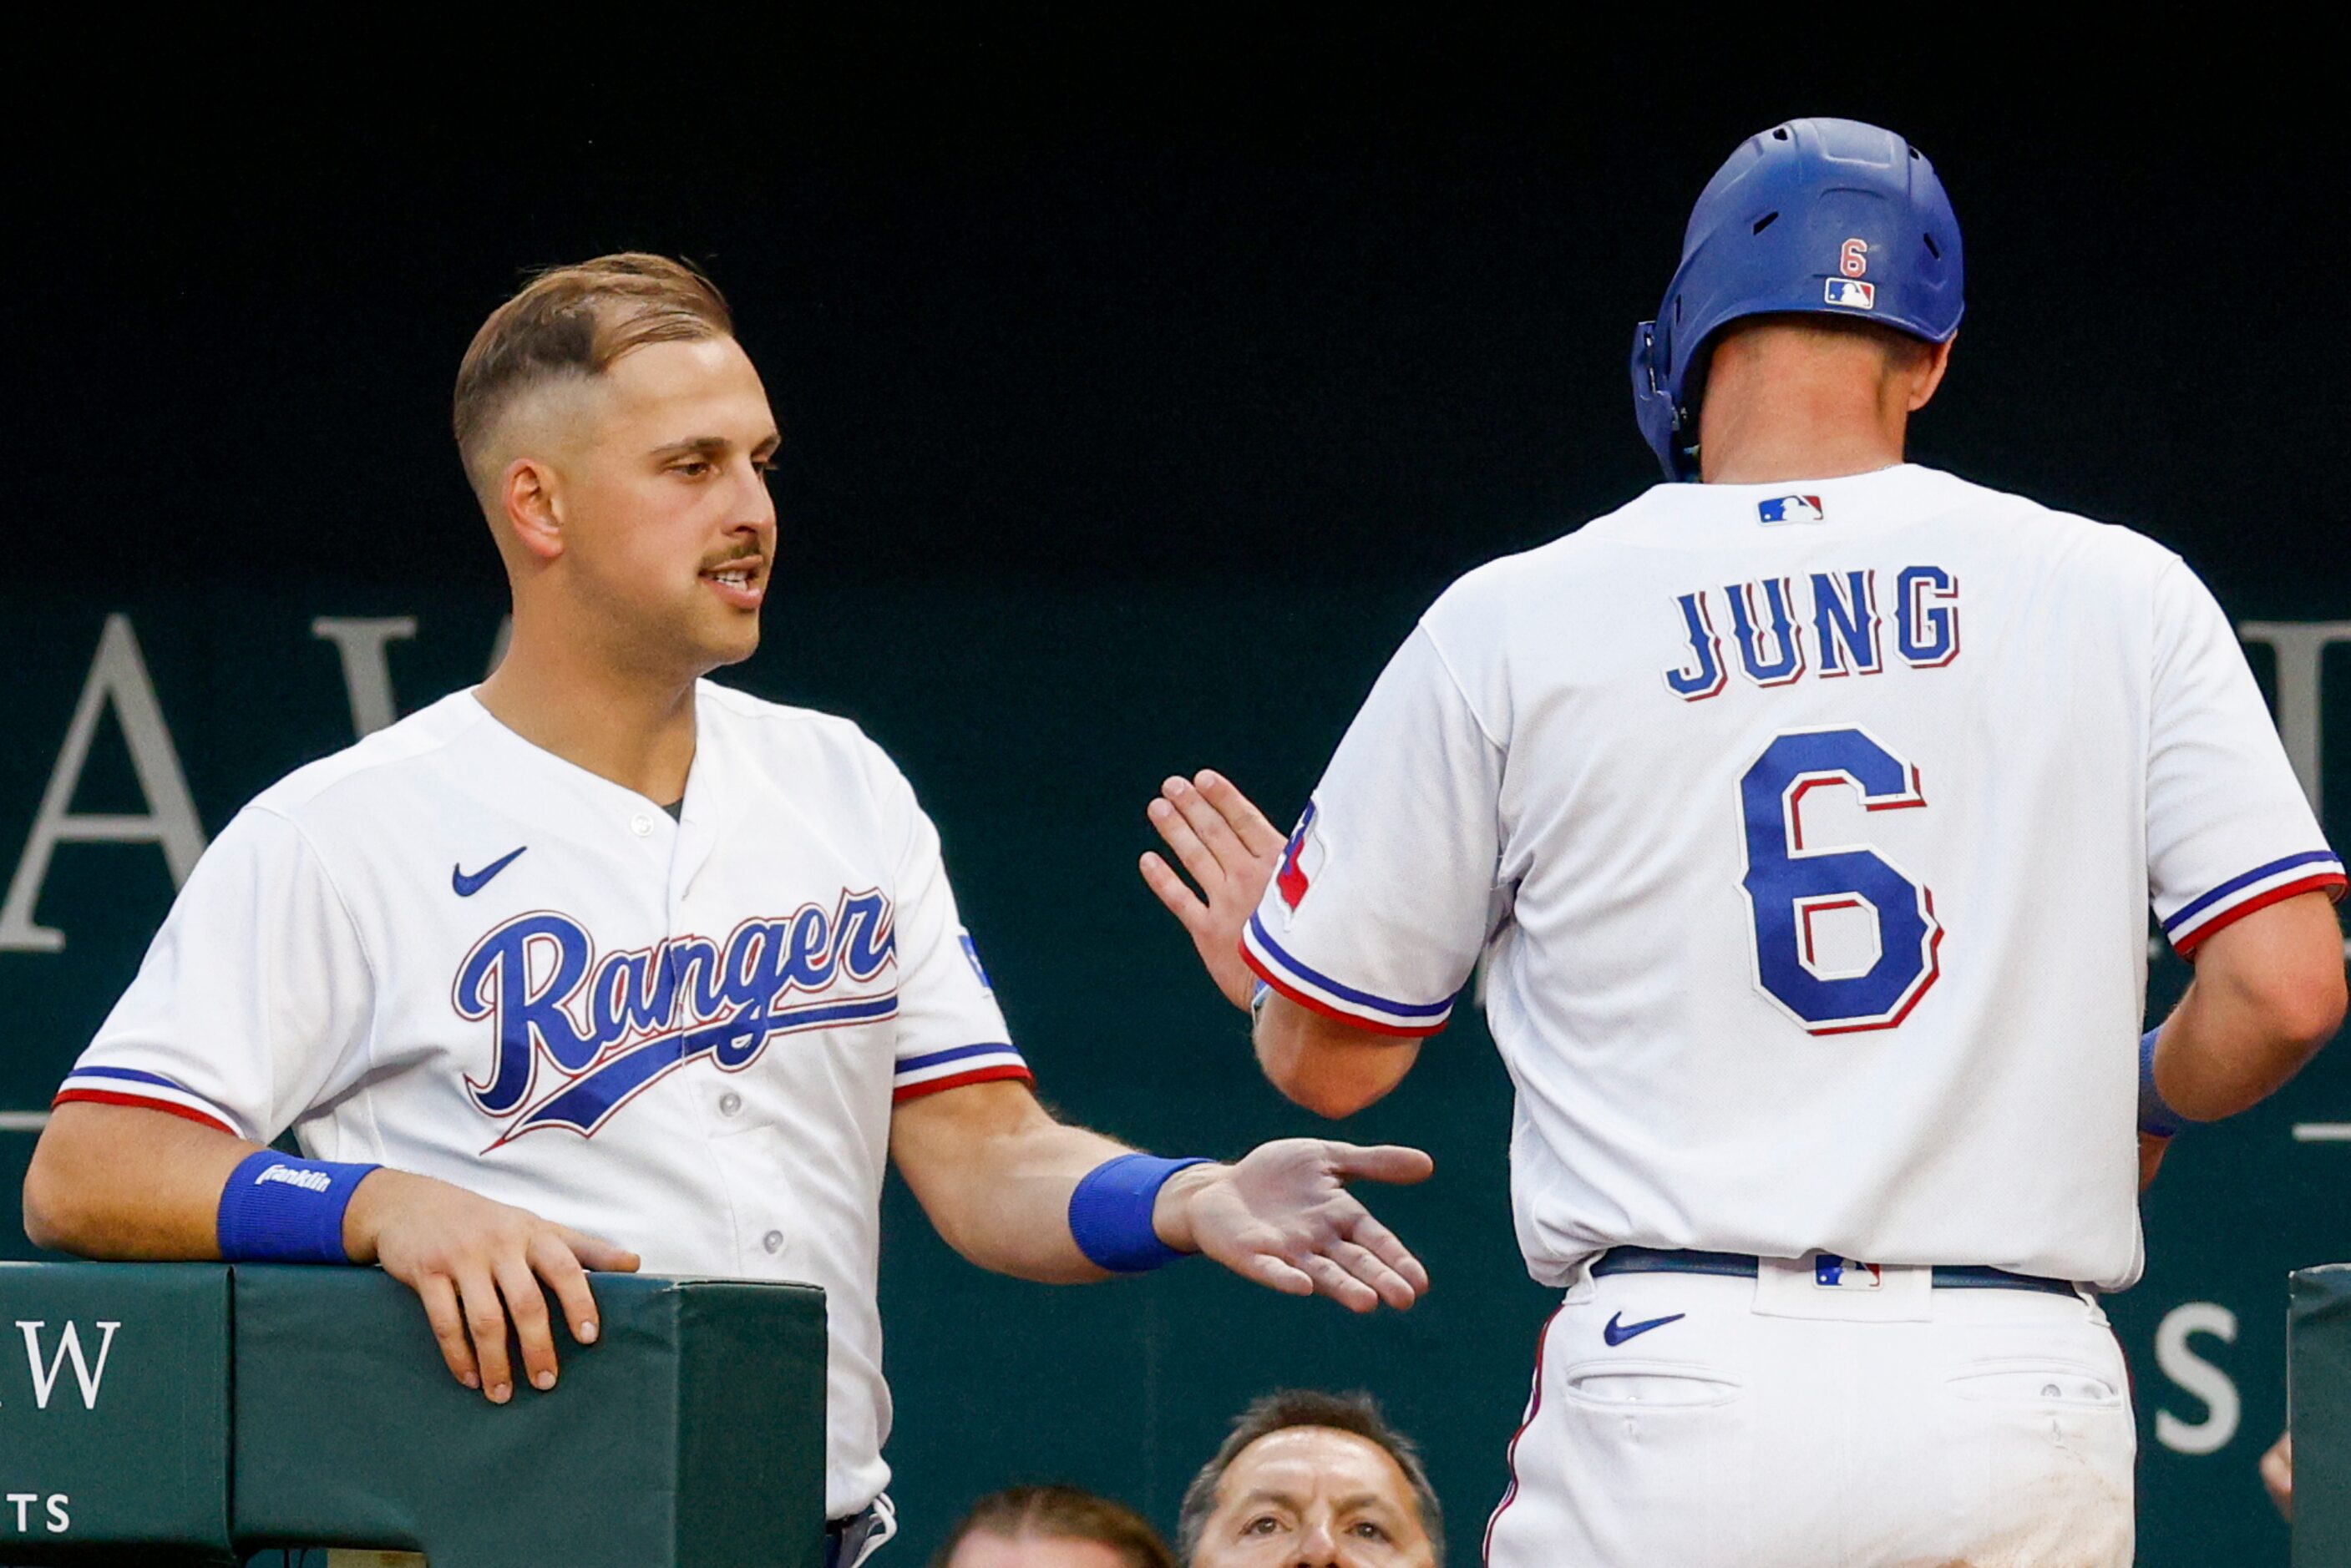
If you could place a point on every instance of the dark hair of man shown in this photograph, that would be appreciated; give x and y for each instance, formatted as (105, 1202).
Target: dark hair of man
(1060, 1513)
(1357, 1414)
(571, 323)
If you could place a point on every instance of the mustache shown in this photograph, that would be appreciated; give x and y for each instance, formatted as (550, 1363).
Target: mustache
(743, 553)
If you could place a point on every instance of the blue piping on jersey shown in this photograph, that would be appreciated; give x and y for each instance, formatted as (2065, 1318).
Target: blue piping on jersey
(2190, 910)
(1345, 993)
(997, 1048)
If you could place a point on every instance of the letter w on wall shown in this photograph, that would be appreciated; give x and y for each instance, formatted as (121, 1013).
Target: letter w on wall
(69, 1349)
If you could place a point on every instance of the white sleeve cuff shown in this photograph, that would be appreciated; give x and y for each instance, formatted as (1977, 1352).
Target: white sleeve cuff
(2240, 895)
(933, 1071)
(151, 1091)
(1318, 992)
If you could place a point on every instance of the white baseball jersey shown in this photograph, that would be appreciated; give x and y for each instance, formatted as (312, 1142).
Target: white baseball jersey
(450, 951)
(1808, 833)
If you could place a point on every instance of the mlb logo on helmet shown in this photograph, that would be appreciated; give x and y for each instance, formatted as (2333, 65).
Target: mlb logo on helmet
(1788, 509)
(1850, 293)
(1831, 1273)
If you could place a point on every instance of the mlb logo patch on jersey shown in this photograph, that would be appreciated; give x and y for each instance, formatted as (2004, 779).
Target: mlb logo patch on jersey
(1788, 509)
(1850, 293)
(1831, 1273)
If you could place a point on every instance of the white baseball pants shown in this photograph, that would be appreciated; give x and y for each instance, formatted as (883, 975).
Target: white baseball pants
(1775, 1423)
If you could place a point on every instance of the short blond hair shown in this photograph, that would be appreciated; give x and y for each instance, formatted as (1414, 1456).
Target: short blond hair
(571, 323)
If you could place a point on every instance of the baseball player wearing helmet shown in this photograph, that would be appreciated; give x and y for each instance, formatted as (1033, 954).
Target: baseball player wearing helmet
(1805, 820)
(600, 964)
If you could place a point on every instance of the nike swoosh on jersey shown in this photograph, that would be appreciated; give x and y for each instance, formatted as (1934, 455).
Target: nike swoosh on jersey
(468, 884)
(1618, 1331)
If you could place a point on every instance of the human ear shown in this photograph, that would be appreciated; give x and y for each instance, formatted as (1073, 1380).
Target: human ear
(533, 511)
(1929, 373)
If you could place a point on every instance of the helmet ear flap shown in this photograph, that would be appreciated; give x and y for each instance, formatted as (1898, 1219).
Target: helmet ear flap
(1653, 403)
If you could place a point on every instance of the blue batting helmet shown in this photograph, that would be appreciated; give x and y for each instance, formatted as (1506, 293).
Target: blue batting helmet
(1826, 216)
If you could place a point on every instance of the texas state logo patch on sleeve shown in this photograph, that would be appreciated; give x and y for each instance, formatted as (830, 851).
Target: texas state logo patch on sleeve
(1301, 862)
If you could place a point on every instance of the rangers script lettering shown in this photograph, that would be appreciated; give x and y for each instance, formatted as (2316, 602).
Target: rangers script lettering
(630, 1032)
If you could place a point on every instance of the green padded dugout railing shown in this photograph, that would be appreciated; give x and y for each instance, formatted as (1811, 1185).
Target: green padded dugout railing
(114, 1413)
(234, 1410)
(691, 1433)
(2318, 1398)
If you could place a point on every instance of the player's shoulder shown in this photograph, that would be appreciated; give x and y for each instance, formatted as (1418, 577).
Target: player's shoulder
(1481, 603)
(774, 722)
(1576, 560)
(804, 744)
(759, 722)
(1680, 520)
(2030, 526)
(1581, 576)
(389, 757)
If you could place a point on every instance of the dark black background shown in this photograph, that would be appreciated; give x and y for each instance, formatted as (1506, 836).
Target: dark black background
(1321, 298)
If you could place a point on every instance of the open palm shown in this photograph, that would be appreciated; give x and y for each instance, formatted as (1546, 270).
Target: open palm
(1231, 851)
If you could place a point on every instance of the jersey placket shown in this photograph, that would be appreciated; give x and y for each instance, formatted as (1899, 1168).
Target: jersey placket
(721, 1106)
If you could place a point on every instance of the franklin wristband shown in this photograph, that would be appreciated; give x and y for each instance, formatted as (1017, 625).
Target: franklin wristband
(2156, 1118)
(277, 1209)
(1109, 1212)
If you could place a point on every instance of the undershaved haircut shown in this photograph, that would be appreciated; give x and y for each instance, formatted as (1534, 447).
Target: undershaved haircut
(570, 324)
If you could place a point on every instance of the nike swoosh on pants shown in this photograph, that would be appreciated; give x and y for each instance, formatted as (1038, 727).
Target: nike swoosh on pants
(1618, 1331)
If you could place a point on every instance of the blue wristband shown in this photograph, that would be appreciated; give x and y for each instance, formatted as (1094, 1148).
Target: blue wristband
(1109, 1212)
(2155, 1118)
(279, 1209)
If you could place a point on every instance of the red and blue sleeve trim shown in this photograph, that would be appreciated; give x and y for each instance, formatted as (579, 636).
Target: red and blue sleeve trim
(934, 1071)
(1319, 993)
(2318, 870)
(146, 1091)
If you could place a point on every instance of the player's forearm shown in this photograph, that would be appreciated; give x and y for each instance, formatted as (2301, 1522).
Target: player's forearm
(994, 1172)
(2214, 1059)
(1013, 1214)
(1331, 1068)
(120, 1181)
(2269, 992)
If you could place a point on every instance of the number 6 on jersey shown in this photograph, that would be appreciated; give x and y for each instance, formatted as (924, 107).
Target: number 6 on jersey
(1789, 887)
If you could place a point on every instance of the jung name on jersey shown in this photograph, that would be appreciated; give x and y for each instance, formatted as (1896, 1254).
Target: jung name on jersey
(1769, 620)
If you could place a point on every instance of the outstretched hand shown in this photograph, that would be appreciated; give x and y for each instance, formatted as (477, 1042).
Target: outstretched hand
(1282, 1216)
(1231, 851)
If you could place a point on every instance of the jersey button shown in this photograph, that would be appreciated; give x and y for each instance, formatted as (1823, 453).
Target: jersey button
(729, 1103)
(641, 824)
(773, 1241)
